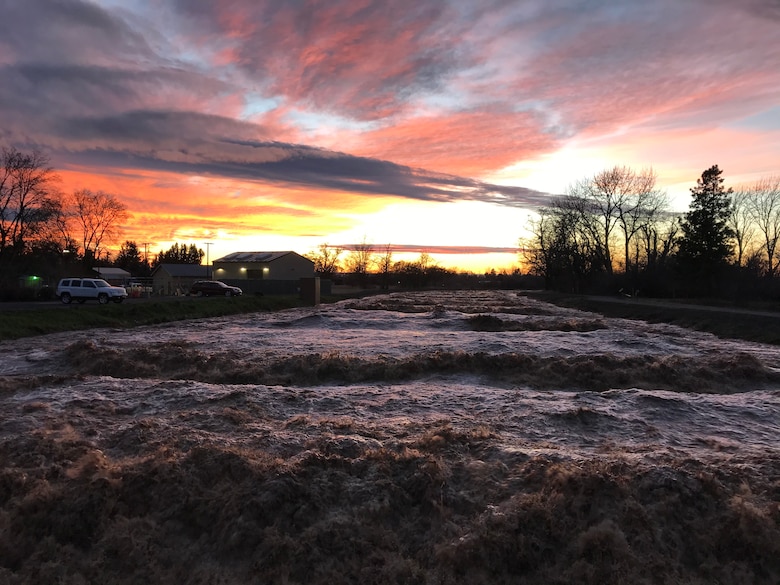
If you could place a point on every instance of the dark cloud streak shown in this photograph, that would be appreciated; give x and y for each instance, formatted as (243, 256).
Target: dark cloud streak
(144, 140)
(68, 31)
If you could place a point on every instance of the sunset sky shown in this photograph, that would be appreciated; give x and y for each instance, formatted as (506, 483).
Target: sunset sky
(433, 125)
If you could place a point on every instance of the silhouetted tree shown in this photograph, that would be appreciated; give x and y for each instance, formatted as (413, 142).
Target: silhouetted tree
(639, 205)
(658, 240)
(616, 202)
(130, 258)
(179, 254)
(705, 246)
(574, 238)
(595, 208)
(96, 217)
(408, 274)
(27, 201)
(741, 222)
(359, 261)
(385, 264)
(422, 273)
(326, 260)
(561, 249)
(765, 212)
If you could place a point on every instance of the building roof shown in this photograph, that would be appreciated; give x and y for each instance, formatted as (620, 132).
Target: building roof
(255, 256)
(111, 272)
(184, 270)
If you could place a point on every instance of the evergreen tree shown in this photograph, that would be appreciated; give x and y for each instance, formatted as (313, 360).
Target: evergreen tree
(706, 245)
(131, 259)
(180, 254)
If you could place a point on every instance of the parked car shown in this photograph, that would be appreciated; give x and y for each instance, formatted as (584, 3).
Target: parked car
(84, 289)
(209, 288)
(139, 289)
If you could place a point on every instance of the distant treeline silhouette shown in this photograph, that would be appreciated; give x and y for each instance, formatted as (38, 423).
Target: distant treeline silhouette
(610, 233)
(614, 233)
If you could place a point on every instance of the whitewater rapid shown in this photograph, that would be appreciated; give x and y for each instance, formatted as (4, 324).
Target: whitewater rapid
(538, 379)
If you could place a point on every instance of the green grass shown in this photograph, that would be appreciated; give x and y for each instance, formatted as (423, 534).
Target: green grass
(57, 318)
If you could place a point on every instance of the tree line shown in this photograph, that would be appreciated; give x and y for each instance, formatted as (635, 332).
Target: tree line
(44, 230)
(614, 232)
(41, 225)
(366, 265)
(131, 259)
(610, 232)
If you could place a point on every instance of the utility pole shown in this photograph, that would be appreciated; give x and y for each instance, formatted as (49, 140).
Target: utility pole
(208, 266)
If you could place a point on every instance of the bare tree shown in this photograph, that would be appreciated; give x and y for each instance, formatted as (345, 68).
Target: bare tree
(658, 238)
(27, 198)
(597, 218)
(626, 199)
(425, 262)
(643, 205)
(573, 238)
(96, 217)
(360, 258)
(765, 210)
(562, 248)
(742, 221)
(326, 259)
(385, 264)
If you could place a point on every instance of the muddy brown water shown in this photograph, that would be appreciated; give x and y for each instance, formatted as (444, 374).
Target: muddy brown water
(432, 437)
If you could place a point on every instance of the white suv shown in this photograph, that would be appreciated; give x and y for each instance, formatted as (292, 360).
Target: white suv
(83, 289)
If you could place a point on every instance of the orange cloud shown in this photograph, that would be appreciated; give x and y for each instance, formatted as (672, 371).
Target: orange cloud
(166, 206)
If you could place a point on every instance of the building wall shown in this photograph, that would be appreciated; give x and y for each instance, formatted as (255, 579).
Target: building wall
(288, 267)
(164, 284)
(176, 279)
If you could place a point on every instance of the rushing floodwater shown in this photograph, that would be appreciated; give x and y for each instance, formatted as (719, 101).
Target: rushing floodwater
(401, 331)
(511, 378)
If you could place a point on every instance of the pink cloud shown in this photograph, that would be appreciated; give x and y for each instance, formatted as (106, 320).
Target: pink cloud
(361, 58)
(469, 143)
(684, 61)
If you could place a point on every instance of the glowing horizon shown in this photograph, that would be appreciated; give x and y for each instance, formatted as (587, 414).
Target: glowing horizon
(435, 124)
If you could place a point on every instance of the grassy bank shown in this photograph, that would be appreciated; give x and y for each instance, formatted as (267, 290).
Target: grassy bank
(132, 313)
(761, 324)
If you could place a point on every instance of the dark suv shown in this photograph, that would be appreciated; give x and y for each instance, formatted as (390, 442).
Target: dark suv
(209, 288)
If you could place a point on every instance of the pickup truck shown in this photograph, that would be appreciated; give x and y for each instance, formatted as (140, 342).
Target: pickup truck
(139, 289)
